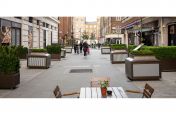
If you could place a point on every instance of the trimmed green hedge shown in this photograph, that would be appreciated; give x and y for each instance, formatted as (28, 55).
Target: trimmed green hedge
(53, 49)
(142, 52)
(162, 53)
(131, 47)
(118, 46)
(38, 50)
(9, 61)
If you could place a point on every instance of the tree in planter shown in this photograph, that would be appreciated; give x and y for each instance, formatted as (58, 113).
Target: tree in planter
(9, 67)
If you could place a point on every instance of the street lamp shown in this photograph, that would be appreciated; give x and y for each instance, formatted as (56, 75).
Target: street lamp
(72, 38)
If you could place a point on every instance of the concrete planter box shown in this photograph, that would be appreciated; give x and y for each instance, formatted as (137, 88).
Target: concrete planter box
(39, 60)
(142, 68)
(9, 81)
(105, 50)
(63, 53)
(68, 49)
(118, 56)
(56, 57)
(168, 65)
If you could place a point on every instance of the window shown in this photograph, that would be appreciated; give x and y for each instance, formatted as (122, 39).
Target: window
(30, 19)
(43, 24)
(38, 22)
(16, 36)
(18, 17)
(47, 25)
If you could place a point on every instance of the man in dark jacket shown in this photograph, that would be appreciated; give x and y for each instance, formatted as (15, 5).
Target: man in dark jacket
(85, 47)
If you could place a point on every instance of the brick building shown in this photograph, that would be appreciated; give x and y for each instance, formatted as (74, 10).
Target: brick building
(66, 30)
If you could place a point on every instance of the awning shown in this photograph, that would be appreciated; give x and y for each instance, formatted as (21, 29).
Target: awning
(130, 25)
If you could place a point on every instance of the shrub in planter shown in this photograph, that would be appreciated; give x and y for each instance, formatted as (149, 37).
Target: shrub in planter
(166, 55)
(9, 67)
(55, 51)
(39, 50)
(142, 52)
(21, 52)
(118, 46)
(131, 47)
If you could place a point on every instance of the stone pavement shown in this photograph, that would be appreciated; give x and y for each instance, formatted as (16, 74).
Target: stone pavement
(39, 83)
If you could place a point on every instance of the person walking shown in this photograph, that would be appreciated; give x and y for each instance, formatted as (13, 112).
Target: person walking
(81, 47)
(85, 48)
(76, 48)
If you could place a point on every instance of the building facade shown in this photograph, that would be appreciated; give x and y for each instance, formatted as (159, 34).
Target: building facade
(91, 28)
(110, 30)
(78, 27)
(31, 32)
(152, 31)
(65, 30)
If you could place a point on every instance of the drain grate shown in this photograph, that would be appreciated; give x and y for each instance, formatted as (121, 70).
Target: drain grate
(81, 71)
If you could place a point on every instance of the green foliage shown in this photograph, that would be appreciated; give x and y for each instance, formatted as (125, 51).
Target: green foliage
(131, 47)
(21, 51)
(142, 52)
(53, 49)
(85, 36)
(9, 61)
(38, 50)
(92, 37)
(162, 53)
(104, 84)
(118, 46)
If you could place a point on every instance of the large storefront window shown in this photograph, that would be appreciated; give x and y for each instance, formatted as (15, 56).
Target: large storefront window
(16, 33)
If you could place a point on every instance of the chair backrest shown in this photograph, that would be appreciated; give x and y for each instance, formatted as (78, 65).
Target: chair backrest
(57, 92)
(95, 81)
(148, 91)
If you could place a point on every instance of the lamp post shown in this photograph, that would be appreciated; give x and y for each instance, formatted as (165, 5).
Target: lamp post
(72, 38)
(80, 34)
(141, 30)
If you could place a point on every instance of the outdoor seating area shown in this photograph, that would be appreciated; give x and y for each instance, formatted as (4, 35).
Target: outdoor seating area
(97, 83)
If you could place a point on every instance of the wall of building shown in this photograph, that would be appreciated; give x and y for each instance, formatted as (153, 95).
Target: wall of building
(37, 30)
(78, 27)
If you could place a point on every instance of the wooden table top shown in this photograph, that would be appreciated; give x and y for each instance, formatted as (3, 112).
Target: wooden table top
(95, 92)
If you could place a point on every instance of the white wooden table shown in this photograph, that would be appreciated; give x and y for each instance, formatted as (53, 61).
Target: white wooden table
(95, 92)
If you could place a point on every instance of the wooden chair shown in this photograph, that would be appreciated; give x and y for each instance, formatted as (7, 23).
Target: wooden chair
(147, 92)
(95, 81)
(58, 94)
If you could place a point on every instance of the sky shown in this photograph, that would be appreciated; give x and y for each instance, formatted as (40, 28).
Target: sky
(91, 19)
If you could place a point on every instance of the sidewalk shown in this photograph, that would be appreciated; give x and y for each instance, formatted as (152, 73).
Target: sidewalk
(40, 83)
